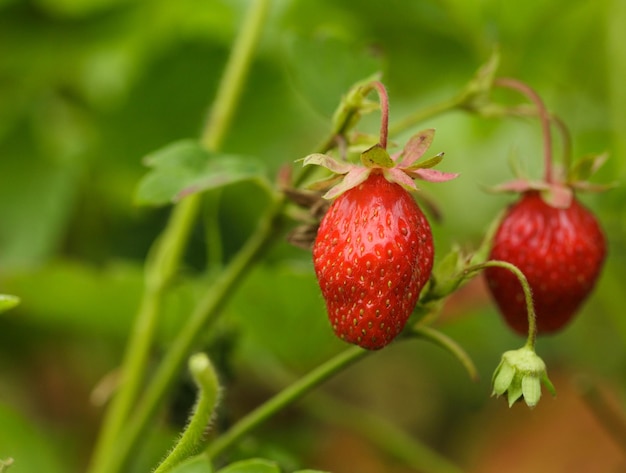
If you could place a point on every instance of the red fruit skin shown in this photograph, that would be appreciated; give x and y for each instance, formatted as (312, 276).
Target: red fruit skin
(373, 254)
(561, 253)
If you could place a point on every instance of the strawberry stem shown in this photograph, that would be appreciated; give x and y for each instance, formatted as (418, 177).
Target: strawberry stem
(544, 117)
(528, 296)
(383, 97)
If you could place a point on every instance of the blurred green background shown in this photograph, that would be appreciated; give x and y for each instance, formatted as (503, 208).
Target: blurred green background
(89, 87)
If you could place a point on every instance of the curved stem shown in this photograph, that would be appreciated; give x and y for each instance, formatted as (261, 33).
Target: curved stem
(384, 111)
(206, 380)
(285, 398)
(566, 142)
(544, 117)
(528, 296)
(448, 344)
(424, 114)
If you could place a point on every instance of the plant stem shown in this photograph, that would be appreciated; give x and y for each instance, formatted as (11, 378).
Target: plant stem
(424, 114)
(169, 250)
(204, 313)
(206, 380)
(284, 398)
(384, 112)
(544, 118)
(607, 413)
(382, 434)
(159, 270)
(528, 296)
(448, 344)
(234, 75)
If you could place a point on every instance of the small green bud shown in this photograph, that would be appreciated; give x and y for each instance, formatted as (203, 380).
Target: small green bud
(520, 374)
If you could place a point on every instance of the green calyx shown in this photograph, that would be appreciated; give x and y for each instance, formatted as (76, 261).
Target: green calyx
(377, 157)
(520, 374)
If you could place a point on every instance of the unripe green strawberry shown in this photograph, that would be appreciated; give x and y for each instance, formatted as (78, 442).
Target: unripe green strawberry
(560, 251)
(373, 255)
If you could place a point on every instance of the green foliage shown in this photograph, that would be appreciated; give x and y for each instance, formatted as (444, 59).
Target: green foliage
(251, 466)
(185, 168)
(88, 88)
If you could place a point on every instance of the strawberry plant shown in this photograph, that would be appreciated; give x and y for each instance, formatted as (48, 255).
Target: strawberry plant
(270, 304)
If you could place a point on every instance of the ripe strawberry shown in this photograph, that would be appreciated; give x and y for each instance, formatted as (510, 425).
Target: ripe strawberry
(372, 256)
(373, 252)
(559, 250)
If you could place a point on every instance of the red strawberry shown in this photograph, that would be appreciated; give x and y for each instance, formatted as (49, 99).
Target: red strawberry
(559, 250)
(373, 252)
(373, 255)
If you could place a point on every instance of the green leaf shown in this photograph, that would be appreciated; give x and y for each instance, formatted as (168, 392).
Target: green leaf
(586, 166)
(185, 167)
(197, 464)
(8, 302)
(274, 303)
(102, 300)
(255, 465)
(377, 157)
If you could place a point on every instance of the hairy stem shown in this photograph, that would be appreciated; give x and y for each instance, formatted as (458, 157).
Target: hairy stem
(206, 380)
(284, 398)
(168, 252)
(544, 117)
(528, 296)
(202, 316)
(161, 266)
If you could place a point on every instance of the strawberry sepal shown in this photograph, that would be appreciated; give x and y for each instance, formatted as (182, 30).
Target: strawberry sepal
(520, 375)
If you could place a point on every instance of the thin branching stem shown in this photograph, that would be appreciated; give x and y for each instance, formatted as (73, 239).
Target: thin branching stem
(544, 118)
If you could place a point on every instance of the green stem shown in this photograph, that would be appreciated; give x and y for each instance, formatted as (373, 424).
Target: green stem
(449, 345)
(606, 412)
(528, 296)
(544, 118)
(285, 398)
(426, 113)
(206, 380)
(234, 75)
(204, 313)
(381, 434)
(383, 97)
(173, 241)
(159, 270)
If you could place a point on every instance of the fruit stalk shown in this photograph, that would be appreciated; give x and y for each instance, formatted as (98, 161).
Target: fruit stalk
(528, 297)
(544, 118)
(383, 97)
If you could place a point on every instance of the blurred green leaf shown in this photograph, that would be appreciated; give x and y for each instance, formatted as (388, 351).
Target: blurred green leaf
(30, 448)
(198, 464)
(185, 167)
(36, 199)
(101, 301)
(255, 465)
(8, 302)
(282, 311)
